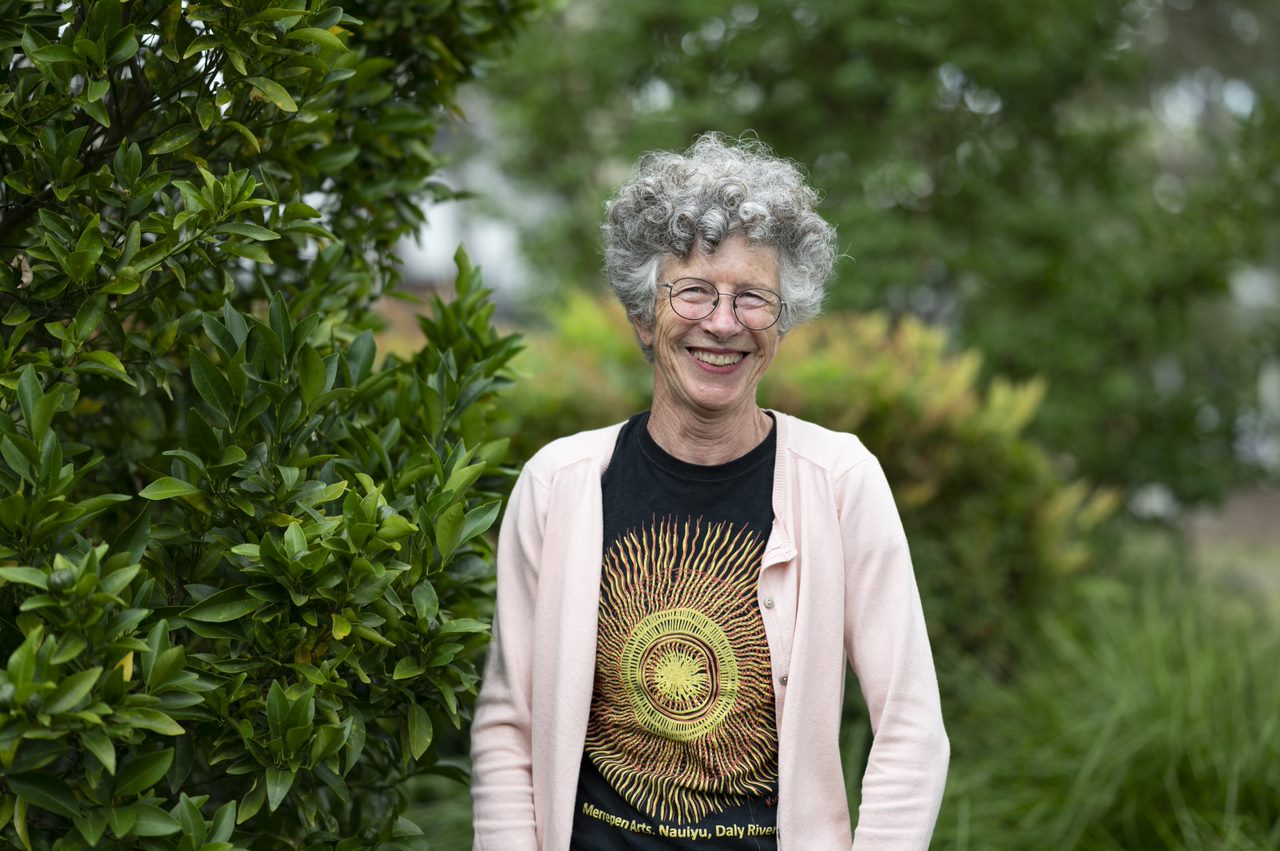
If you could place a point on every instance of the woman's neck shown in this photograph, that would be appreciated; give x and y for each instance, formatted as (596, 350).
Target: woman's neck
(707, 438)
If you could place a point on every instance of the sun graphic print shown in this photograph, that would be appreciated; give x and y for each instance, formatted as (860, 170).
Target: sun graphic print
(682, 717)
(681, 677)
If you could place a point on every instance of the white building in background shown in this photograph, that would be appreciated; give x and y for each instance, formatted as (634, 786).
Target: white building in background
(492, 240)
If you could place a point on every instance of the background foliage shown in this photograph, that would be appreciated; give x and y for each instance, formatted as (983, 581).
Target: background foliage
(1074, 190)
(242, 560)
(1145, 724)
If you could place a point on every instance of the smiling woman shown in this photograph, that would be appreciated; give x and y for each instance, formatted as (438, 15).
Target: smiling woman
(706, 370)
(678, 594)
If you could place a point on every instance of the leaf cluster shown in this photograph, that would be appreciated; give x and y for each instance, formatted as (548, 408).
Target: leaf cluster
(243, 557)
(300, 589)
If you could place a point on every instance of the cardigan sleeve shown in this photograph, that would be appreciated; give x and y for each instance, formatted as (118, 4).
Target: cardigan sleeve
(501, 749)
(888, 646)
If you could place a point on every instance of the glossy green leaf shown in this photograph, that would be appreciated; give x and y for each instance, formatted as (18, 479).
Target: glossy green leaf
(406, 669)
(145, 718)
(99, 744)
(44, 791)
(95, 110)
(167, 487)
(279, 781)
(420, 732)
(460, 625)
(71, 691)
(274, 92)
(211, 384)
(248, 230)
(141, 773)
(173, 139)
(91, 825)
(69, 648)
(229, 605)
(199, 45)
(152, 821)
(54, 53)
(479, 520)
(312, 376)
(105, 363)
(449, 529)
(25, 576)
(314, 35)
(425, 601)
(121, 820)
(295, 542)
(245, 133)
(223, 823)
(252, 802)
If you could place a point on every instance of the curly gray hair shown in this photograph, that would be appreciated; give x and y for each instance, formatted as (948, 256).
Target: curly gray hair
(675, 203)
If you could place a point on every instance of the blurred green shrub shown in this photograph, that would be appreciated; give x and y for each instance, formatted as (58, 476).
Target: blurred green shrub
(1148, 720)
(993, 527)
(242, 563)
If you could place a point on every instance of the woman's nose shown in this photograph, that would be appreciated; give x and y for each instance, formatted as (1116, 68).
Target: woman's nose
(721, 320)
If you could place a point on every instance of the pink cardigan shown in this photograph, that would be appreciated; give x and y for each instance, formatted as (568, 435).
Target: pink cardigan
(836, 582)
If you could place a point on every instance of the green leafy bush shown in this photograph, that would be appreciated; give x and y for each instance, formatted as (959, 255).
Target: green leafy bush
(993, 527)
(242, 561)
(296, 607)
(1147, 721)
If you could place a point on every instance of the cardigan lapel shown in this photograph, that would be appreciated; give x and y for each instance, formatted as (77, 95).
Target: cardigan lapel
(578, 607)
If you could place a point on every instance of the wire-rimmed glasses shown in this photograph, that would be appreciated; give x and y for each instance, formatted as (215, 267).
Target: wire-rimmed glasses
(694, 298)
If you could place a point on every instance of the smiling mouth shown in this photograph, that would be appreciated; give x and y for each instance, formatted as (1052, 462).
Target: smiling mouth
(717, 359)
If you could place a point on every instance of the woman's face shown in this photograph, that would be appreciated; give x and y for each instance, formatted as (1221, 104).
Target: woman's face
(711, 366)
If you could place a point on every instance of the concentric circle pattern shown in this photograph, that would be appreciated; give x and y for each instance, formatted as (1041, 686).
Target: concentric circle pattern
(680, 673)
(682, 717)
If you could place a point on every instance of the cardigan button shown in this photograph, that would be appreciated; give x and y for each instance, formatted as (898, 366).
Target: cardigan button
(783, 679)
(768, 602)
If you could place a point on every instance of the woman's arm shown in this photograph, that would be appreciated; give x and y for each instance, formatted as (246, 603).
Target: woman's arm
(888, 646)
(501, 771)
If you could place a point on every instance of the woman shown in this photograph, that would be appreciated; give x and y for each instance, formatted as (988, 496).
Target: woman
(677, 594)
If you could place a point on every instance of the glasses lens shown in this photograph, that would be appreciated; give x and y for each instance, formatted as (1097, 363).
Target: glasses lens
(693, 298)
(757, 309)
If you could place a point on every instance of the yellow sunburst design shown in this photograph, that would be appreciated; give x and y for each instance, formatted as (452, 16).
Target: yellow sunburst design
(682, 718)
(680, 678)
(664, 644)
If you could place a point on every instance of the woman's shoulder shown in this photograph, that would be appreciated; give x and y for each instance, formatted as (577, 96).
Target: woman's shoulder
(593, 445)
(837, 451)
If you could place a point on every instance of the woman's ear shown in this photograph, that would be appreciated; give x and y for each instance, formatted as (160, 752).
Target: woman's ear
(644, 333)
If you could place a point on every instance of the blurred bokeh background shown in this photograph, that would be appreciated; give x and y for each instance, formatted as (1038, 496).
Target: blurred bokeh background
(1057, 322)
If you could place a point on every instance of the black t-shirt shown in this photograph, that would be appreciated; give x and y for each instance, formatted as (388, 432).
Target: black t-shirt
(682, 744)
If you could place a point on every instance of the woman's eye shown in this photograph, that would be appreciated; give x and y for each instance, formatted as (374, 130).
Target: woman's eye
(695, 294)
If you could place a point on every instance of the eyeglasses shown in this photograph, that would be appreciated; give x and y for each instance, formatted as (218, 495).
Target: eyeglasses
(694, 298)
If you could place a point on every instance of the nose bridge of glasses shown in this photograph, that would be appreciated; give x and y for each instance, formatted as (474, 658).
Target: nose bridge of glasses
(729, 300)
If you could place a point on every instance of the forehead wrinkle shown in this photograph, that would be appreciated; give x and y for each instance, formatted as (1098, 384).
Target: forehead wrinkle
(700, 266)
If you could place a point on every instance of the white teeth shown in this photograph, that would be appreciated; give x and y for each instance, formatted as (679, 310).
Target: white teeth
(717, 360)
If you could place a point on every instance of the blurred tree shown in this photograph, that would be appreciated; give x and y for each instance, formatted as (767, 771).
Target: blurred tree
(990, 165)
